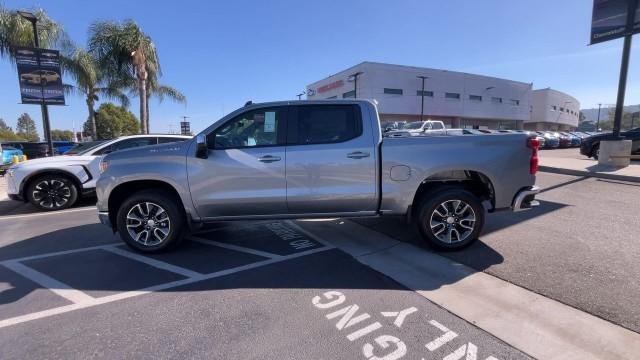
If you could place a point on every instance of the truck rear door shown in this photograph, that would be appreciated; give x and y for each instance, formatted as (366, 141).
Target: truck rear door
(330, 166)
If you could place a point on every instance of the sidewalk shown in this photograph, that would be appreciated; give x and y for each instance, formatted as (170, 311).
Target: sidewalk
(589, 167)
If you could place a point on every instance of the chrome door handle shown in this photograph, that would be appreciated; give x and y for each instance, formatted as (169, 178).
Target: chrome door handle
(358, 155)
(269, 158)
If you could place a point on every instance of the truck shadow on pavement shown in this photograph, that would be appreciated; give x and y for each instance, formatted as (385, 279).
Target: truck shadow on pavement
(480, 256)
(83, 258)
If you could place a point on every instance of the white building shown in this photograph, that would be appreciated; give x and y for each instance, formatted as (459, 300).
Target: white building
(553, 110)
(458, 99)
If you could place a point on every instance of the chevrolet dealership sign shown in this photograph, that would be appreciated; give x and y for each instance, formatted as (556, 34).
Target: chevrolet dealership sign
(609, 20)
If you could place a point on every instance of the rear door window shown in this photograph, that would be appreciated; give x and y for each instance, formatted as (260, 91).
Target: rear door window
(323, 124)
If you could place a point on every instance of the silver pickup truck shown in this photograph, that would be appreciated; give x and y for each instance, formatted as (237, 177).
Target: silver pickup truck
(314, 159)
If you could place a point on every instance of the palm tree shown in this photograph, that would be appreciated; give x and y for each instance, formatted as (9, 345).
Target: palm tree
(90, 82)
(124, 51)
(16, 31)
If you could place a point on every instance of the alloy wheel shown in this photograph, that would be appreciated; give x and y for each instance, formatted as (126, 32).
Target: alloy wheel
(51, 193)
(148, 223)
(452, 221)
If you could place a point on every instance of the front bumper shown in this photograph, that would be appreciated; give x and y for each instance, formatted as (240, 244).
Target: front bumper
(525, 199)
(104, 218)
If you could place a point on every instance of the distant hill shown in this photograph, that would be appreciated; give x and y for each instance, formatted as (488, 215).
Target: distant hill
(592, 114)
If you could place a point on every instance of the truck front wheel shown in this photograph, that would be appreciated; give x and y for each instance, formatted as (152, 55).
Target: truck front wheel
(450, 219)
(150, 221)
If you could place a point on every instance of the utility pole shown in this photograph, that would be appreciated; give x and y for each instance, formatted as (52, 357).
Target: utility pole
(354, 76)
(45, 111)
(300, 95)
(422, 96)
(598, 122)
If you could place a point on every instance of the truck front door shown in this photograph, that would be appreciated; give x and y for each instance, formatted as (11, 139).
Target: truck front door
(244, 174)
(331, 166)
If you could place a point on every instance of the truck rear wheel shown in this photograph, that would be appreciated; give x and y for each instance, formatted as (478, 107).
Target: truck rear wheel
(450, 218)
(150, 221)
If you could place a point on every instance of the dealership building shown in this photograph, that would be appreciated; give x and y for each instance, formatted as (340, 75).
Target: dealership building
(459, 99)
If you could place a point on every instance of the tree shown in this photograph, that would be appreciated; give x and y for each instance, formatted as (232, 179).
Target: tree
(9, 135)
(26, 128)
(61, 135)
(113, 121)
(16, 31)
(124, 51)
(3, 125)
(89, 79)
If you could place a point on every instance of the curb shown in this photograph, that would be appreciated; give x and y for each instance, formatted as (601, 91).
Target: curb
(600, 175)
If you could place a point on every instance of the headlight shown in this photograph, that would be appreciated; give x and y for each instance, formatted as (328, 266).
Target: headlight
(104, 165)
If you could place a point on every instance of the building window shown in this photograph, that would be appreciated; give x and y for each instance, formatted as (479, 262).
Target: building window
(554, 108)
(561, 109)
(333, 97)
(475, 97)
(393, 91)
(497, 100)
(515, 102)
(424, 93)
(349, 94)
(455, 96)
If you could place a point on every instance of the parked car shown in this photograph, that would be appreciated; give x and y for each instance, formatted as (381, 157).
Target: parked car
(33, 150)
(590, 146)
(80, 147)
(575, 140)
(564, 140)
(541, 139)
(429, 127)
(6, 157)
(333, 162)
(61, 147)
(57, 182)
(550, 140)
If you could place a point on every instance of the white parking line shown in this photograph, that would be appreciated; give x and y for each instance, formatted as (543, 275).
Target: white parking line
(11, 217)
(86, 302)
(60, 288)
(153, 262)
(235, 247)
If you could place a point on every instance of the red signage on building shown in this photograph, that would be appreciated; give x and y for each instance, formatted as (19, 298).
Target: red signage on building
(333, 85)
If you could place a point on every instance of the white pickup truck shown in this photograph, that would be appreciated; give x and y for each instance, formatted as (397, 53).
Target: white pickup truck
(420, 128)
(313, 159)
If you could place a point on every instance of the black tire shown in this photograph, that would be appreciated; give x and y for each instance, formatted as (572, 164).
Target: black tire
(155, 223)
(52, 192)
(595, 151)
(431, 209)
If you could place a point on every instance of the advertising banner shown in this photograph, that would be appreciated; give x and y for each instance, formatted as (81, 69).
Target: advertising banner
(40, 76)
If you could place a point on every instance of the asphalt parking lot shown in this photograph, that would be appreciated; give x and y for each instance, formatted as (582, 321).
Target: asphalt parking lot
(580, 246)
(70, 289)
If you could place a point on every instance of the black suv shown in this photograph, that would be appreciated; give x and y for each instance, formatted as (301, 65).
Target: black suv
(591, 146)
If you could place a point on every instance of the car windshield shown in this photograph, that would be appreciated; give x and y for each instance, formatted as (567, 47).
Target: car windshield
(84, 148)
(413, 125)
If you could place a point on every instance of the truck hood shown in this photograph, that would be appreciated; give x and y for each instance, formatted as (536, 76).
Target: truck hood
(159, 150)
(57, 161)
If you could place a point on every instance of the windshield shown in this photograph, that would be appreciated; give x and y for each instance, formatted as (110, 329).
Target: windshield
(84, 148)
(413, 126)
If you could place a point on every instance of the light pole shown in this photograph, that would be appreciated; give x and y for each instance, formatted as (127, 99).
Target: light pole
(30, 17)
(422, 96)
(300, 95)
(598, 122)
(354, 76)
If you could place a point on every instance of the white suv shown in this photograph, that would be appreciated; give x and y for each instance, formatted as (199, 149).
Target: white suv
(55, 183)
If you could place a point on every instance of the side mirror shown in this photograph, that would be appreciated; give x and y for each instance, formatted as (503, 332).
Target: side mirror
(202, 150)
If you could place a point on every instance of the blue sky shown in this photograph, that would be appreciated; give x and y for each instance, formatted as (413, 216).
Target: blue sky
(223, 53)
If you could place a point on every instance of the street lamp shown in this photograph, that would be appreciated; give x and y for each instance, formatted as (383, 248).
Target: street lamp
(422, 96)
(598, 122)
(354, 77)
(300, 95)
(30, 17)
